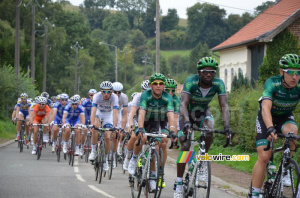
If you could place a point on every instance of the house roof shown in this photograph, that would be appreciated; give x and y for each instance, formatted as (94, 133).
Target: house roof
(265, 26)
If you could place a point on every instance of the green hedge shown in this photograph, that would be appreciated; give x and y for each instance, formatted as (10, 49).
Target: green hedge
(7, 129)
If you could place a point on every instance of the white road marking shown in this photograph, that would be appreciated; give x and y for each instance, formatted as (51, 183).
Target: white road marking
(100, 191)
(75, 162)
(76, 170)
(80, 178)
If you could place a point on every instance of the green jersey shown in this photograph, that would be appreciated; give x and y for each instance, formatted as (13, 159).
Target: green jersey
(198, 100)
(176, 102)
(156, 108)
(284, 101)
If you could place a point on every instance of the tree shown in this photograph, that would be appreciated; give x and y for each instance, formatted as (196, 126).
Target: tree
(164, 68)
(235, 22)
(197, 53)
(261, 8)
(137, 38)
(170, 21)
(148, 26)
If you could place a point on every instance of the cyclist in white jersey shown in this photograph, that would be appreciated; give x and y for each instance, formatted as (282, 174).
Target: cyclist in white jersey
(122, 111)
(104, 108)
(129, 107)
(132, 120)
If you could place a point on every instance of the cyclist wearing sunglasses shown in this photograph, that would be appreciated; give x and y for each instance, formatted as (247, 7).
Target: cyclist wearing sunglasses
(132, 121)
(105, 107)
(156, 108)
(198, 91)
(39, 114)
(22, 112)
(278, 101)
(122, 112)
(73, 116)
(56, 116)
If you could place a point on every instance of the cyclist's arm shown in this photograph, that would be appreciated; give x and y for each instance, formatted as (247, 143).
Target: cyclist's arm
(13, 115)
(225, 110)
(132, 113)
(17, 112)
(93, 114)
(124, 117)
(175, 122)
(141, 118)
(115, 114)
(266, 112)
(32, 115)
(185, 99)
(64, 117)
(170, 116)
(82, 118)
(54, 111)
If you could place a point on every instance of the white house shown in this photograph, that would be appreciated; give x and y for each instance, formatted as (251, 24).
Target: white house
(246, 49)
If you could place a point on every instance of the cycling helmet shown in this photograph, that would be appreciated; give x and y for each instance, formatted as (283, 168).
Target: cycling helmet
(74, 100)
(106, 85)
(45, 94)
(145, 85)
(37, 99)
(171, 83)
(42, 100)
(290, 61)
(24, 95)
(117, 86)
(64, 96)
(132, 95)
(92, 91)
(77, 96)
(157, 76)
(207, 62)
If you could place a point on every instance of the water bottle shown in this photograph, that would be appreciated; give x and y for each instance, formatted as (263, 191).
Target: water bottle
(271, 171)
(191, 166)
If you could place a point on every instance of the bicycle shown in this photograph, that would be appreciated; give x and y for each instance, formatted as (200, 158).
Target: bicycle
(141, 179)
(87, 146)
(40, 142)
(58, 146)
(71, 148)
(22, 133)
(193, 184)
(272, 189)
(126, 137)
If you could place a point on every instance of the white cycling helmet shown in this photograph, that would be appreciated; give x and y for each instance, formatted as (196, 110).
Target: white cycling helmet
(24, 95)
(106, 85)
(42, 100)
(132, 95)
(45, 94)
(117, 86)
(74, 100)
(64, 96)
(78, 96)
(145, 85)
(37, 99)
(92, 91)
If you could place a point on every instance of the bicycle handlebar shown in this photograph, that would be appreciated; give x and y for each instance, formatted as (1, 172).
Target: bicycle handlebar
(154, 135)
(100, 128)
(289, 136)
(40, 124)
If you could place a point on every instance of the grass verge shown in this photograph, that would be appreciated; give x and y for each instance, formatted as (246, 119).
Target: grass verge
(7, 130)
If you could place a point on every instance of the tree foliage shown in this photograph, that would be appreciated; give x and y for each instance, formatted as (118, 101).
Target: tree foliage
(170, 22)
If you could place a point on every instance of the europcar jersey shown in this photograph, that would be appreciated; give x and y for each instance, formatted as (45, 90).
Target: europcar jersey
(283, 101)
(73, 114)
(197, 101)
(105, 106)
(156, 109)
(60, 109)
(23, 107)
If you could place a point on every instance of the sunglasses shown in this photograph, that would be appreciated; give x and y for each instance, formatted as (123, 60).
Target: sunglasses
(42, 104)
(23, 98)
(75, 104)
(91, 95)
(117, 92)
(170, 90)
(292, 72)
(158, 83)
(205, 72)
(106, 92)
(64, 99)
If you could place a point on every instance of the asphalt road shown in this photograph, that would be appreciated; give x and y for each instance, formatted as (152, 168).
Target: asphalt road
(22, 175)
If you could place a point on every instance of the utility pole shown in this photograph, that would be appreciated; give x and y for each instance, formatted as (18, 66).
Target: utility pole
(157, 38)
(79, 81)
(125, 67)
(45, 23)
(17, 39)
(33, 3)
(76, 47)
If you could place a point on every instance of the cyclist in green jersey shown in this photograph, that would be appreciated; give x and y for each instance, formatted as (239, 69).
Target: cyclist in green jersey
(198, 91)
(156, 108)
(279, 99)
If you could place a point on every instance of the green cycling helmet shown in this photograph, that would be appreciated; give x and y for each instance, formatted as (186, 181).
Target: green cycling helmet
(171, 83)
(289, 61)
(157, 76)
(207, 62)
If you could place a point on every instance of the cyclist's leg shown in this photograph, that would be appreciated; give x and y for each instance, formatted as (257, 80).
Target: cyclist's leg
(77, 138)
(19, 123)
(94, 139)
(45, 128)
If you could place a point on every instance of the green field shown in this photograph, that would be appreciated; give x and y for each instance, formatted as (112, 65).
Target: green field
(7, 130)
(168, 54)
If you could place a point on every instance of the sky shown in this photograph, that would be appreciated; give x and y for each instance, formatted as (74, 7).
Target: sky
(231, 6)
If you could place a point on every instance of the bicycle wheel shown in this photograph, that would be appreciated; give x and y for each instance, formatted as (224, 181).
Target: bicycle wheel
(202, 180)
(58, 148)
(96, 166)
(73, 150)
(21, 140)
(70, 151)
(149, 178)
(110, 164)
(87, 149)
(124, 148)
(290, 191)
(161, 172)
(101, 161)
(40, 144)
(135, 181)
